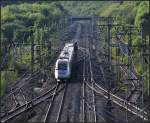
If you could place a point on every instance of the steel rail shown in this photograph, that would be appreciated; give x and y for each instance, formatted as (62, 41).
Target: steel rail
(23, 95)
(61, 103)
(87, 76)
(92, 81)
(83, 83)
(88, 92)
(50, 105)
(114, 119)
(12, 89)
(18, 88)
(28, 105)
(87, 72)
(27, 79)
(14, 97)
(121, 102)
(134, 83)
(83, 91)
(100, 115)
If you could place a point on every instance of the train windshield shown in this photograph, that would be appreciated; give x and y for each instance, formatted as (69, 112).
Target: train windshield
(62, 66)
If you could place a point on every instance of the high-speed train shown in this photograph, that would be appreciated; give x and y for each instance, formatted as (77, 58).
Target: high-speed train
(63, 64)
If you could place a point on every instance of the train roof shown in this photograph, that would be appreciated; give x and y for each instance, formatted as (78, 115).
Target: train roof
(67, 51)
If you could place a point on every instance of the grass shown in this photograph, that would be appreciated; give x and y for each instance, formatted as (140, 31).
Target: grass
(7, 76)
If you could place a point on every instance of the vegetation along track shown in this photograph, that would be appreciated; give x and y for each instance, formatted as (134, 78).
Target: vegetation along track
(116, 99)
(90, 88)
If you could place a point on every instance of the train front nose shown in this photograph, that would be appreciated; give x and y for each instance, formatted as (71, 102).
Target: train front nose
(62, 74)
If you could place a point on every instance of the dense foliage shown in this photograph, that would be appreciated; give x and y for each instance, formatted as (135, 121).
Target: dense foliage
(23, 16)
(134, 13)
(34, 21)
(26, 23)
(83, 8)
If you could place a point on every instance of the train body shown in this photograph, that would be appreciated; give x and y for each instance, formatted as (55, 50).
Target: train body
(63, 65)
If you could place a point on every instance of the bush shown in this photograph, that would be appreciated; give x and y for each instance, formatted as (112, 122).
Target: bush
(7, 76)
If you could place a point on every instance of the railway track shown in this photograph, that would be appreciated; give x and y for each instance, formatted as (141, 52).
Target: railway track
(34, 102)
(92, 92)
(121, 102)
(135, 92)
(89, 113)
(88, 95)
(56, 95)
(15, 100)
(19, 98)
(29, 105)
(83, 93)
(116, 99)
(21, 83)
(19, 93)
(53, 113)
